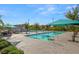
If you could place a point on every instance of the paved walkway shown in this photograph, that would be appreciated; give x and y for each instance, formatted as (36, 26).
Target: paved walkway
(60, 45)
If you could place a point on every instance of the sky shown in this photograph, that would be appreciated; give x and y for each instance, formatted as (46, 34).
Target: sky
(35, 13)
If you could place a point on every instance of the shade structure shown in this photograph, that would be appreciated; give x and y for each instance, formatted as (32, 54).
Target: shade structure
(10, 26)
(63, 22)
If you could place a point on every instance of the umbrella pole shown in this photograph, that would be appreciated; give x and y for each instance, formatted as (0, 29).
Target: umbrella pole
(73, 37)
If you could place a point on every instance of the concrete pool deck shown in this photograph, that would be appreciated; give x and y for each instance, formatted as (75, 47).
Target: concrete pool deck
(61, 44)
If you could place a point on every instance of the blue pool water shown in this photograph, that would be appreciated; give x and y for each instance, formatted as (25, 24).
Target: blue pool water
(45, 36)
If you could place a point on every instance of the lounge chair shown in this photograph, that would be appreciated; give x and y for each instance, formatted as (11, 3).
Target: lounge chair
(51, 39)
(15, 43)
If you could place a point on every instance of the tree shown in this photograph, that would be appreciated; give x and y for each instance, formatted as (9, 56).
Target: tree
(26, 25)
(36, 27)
(43, 27)
(1, 23)
(47, 27)
(73, 15)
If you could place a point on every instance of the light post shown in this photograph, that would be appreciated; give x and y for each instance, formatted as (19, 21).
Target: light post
(28, 27)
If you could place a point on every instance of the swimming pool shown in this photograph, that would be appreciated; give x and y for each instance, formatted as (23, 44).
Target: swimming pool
(45, 36)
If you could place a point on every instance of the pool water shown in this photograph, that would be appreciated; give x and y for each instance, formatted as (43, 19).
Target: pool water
(45, 36)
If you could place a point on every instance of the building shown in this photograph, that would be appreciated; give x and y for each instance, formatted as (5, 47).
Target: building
(19, 28)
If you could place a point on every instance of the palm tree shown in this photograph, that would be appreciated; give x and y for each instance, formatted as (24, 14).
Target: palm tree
(1, 23)
(73, 15)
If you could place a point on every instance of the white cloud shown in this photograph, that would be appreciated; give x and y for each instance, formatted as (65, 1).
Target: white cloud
(70, 7)
(51, 8)
(41, 8)
(2, 12)
(47, 9)
(44, 12)
(5, 12)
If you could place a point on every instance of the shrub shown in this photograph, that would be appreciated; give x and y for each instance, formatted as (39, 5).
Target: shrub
(8, 49)
(16, 52)
(2, 40)
(11, 50)
(4, 44)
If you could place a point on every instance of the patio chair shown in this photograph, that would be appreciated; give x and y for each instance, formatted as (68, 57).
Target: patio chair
(50, 39)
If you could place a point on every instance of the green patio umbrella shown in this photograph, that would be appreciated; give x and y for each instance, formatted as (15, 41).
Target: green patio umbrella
(63, 22)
